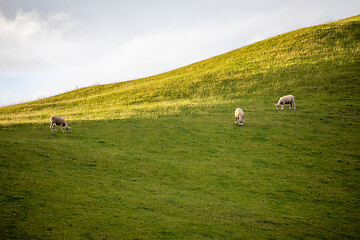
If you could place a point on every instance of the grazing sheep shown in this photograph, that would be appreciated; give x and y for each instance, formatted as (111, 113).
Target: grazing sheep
(239, 115)
(55, 120)
(289, 99)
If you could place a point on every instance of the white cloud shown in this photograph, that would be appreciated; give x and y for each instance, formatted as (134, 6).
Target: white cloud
(29, 42)
(32, 52)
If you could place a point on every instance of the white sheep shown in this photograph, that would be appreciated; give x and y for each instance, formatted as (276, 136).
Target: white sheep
(55, 120)
(239, 115)
(288, 99)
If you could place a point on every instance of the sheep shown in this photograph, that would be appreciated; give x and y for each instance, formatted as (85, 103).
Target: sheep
(288, 99)
(55, 120)
(239, 115)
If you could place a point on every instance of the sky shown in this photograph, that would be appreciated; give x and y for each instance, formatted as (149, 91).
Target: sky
(48, 47)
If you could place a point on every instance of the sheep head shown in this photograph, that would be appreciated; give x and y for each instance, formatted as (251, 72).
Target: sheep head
(67, 128)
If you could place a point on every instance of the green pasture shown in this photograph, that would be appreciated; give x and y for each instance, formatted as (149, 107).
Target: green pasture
(197, 175)
(161, 157)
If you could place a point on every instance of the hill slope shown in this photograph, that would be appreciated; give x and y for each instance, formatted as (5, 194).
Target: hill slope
(321, 61)
(161, 157)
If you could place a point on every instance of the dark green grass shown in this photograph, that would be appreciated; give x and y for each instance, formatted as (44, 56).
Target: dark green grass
(284, 174)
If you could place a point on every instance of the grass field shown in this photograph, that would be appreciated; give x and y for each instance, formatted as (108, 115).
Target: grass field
(161, 157)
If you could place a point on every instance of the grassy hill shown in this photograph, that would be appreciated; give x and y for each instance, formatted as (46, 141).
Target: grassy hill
(161, 157)
(320, 61)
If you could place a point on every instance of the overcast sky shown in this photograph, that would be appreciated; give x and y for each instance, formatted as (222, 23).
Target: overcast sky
(49, 47)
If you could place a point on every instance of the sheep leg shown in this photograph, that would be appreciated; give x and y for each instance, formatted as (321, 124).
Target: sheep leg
(290, 105)
(294, 104)
(235, 120)
(62, 128)
(282, 106)
(52, 126)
